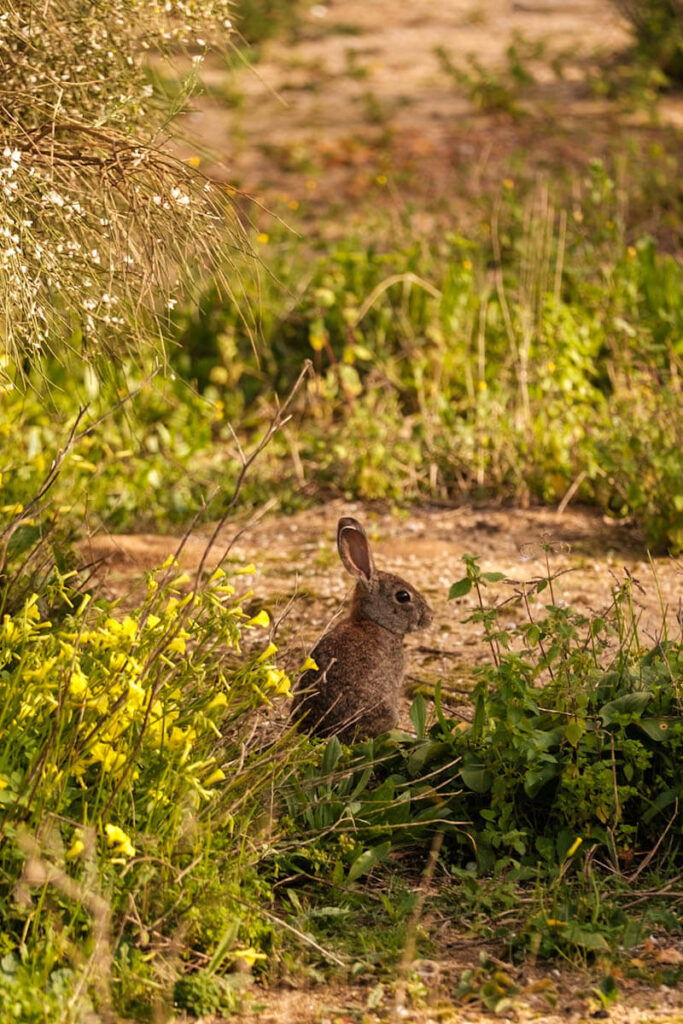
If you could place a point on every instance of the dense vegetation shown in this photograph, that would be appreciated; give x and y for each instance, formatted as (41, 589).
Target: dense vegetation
(161, 840)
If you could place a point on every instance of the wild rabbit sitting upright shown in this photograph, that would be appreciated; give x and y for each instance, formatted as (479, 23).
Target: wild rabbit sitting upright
(355, 691)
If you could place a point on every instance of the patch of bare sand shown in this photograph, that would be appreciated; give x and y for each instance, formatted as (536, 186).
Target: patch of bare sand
(359, 103)
(298, 572)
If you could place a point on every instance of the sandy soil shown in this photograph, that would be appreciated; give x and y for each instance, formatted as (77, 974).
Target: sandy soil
(359, 103)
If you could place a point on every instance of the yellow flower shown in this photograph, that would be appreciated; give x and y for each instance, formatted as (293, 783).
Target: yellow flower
(78, 683)
(574, 847)
(250, 955)
(104, 753)
(75, 850)
(177, 644)
(268, 653)
(136, 695)
(3, 782)
(219, 701)
(194, 161)
(9, 630)
(309, 663)
(482, 385)
(381, 179)
(467, 264)
(262, 619)
(262, 237)
(216, 776)
(508, 183)
(278, 680)
(117, 838)
(248, 570)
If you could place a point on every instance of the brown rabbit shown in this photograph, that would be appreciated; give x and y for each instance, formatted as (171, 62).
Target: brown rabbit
(361, 663)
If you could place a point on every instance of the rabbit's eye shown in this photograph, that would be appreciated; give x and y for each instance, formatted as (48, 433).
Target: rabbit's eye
(403, 596)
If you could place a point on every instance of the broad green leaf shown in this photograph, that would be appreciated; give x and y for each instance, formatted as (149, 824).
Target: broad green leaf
(333, 752)
(493, 577)
(627, 704)
(664, 799)
(536, 778)
(585, 939)
(657, 728)
(574, 731)
(425, 753)
(460, 589)
(476, 777)
(367, 860)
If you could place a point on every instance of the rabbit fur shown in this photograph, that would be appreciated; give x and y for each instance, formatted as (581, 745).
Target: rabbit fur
(354, 692)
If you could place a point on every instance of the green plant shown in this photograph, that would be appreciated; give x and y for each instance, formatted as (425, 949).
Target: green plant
(658, 27)
(122, 781)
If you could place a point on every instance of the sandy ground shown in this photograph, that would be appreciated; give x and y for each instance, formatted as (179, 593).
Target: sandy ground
(300, 579)
(359, 105)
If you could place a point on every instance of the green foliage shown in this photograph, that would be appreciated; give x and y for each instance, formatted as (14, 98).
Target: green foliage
(435, 380)
(257, 20)
(572, 760)
(658, 28)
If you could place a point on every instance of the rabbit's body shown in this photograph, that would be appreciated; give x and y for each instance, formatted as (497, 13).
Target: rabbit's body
(361, 662)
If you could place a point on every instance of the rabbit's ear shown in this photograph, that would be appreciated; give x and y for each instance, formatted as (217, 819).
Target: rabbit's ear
(354, 549)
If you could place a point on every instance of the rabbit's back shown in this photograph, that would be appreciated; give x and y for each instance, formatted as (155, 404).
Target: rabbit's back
(355, 690)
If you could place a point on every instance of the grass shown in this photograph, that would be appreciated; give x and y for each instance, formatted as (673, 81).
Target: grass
(536, 359)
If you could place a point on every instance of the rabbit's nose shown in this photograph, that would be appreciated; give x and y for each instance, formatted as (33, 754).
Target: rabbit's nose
(427, 617)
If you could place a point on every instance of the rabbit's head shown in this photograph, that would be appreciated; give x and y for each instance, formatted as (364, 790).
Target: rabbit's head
(379, 597)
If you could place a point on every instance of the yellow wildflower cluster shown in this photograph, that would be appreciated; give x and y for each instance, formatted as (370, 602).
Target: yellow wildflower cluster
(135, 700)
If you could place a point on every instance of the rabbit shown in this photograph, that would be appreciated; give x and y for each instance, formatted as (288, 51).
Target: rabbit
(354, 692)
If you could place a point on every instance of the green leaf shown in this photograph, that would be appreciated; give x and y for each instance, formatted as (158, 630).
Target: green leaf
(367, 860)
(460, 589)
(425, 753)
(664, 799)
(333, 752)
(658, 729)
(585, 939)
(536, 778)
(476, 777)
(574, 731)
(418, 716)
(627, 704)
(493, 577)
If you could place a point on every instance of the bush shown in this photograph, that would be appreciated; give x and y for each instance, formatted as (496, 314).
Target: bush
(658, 26)
(125, 782)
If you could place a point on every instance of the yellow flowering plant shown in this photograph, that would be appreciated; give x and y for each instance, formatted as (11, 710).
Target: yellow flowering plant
(132, 728)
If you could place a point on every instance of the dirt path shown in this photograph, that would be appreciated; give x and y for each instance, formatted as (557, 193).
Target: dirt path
(360, 104)
(296, 561)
